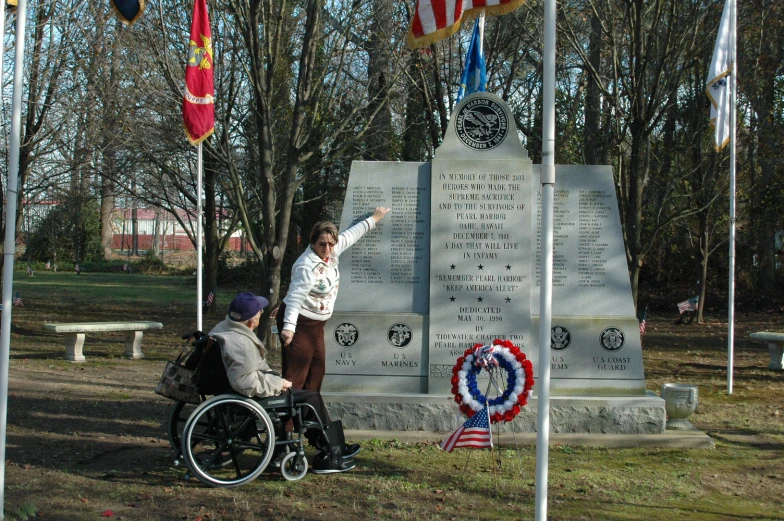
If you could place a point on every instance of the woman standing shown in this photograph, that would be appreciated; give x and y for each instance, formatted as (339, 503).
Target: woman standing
(311, 298)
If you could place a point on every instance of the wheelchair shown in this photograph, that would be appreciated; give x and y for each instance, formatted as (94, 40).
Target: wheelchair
(229, 439)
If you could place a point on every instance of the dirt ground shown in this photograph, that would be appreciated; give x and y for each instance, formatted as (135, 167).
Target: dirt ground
(89, 440)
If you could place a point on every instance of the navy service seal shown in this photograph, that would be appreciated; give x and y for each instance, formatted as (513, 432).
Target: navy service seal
(612, 339)
(346, 334)
(399, 335)
(481, 124)
(560, 338)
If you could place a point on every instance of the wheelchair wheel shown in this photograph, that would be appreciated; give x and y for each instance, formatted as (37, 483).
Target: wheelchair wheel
(228, 441)
(294, 466)
(178, 417)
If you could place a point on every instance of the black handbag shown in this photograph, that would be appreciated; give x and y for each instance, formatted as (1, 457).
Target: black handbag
(181, 377)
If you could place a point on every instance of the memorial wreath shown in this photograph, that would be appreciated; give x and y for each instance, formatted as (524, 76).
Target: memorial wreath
(519, 380)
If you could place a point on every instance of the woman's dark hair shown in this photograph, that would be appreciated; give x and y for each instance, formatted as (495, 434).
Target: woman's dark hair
(323, 227)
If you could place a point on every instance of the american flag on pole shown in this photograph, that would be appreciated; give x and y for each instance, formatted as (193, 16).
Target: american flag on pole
(688, 305)
(438, 19)
(474, 433)
(17, 301)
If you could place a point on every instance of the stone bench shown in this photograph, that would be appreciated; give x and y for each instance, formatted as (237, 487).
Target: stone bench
(74, 336)
(775, 343)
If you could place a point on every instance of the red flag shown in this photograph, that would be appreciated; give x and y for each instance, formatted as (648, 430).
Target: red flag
(198, 106)
(438, 19)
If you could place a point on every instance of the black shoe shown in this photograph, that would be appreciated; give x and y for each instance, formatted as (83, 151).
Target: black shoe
(324, 463)
(349, 451)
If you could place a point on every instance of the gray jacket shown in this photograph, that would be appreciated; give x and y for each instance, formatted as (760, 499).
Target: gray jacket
(243, 357)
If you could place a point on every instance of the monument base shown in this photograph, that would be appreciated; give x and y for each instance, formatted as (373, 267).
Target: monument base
(568, 414)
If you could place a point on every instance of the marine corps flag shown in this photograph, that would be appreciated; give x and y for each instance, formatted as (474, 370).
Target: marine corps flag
(198, 106)
(438, 19)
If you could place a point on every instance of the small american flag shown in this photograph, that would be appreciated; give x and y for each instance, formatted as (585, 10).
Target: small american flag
(210, 299)
(642, 324)
(17, 300)
(688, 305)
(474, 433)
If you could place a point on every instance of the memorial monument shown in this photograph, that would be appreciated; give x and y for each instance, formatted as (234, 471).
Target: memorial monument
(456, 263)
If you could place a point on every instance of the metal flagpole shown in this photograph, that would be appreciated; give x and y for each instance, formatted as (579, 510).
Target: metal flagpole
(9, 251)
(546, 278)
(198, 244)
(482, 34)
(733, 115)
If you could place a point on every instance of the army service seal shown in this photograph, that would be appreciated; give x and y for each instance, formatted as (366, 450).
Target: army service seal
(560, 338)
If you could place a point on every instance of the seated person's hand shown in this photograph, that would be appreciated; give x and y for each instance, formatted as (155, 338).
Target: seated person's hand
(286, 385)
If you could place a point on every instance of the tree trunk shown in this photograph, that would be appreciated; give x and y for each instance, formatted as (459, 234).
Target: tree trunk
(591, 136)
(156, 226)
(107, 208)
(134, 221)
(380, 133)
(211, 243)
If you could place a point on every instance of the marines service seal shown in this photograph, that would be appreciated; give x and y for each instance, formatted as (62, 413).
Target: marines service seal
(399, 335)
(481, 124)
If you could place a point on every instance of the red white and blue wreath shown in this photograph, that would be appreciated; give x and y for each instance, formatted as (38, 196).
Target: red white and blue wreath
(519, 380)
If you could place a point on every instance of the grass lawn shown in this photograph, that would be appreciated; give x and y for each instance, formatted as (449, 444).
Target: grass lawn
(89, 439)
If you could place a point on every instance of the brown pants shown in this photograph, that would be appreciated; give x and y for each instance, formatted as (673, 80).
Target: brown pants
(304, 359)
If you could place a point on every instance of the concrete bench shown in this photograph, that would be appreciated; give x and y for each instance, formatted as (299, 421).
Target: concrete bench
(775, 343)
(74, 336)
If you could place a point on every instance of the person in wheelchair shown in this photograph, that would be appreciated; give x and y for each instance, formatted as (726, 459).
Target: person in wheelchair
(250, 375)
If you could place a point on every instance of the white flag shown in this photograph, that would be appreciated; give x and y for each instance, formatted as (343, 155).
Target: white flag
(718, 78)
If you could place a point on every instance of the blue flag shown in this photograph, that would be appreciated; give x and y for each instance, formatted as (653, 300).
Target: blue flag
(474, 73)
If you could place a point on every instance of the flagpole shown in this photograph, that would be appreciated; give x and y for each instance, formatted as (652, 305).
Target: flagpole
(482, 34)
(733, 115)
(546, 278)
(198, 244)
(9, 252)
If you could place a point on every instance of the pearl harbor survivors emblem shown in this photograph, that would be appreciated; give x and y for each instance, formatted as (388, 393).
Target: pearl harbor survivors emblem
(346, 334)
(481, 124)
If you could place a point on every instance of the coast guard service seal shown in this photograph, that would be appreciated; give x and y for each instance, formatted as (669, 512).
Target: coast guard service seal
(612, 339)
(481, 124)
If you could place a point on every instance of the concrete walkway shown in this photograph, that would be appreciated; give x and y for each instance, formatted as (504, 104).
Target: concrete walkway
(675, 439)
